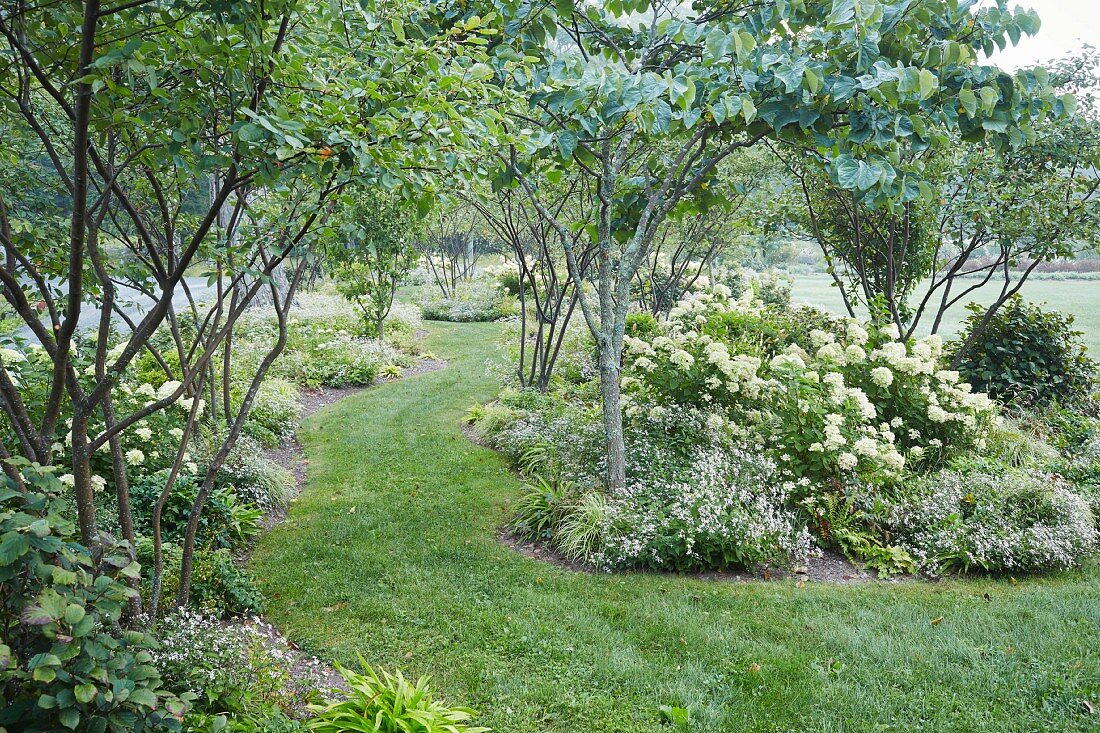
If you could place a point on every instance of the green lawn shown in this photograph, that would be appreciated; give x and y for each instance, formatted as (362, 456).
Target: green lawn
(1079, 297)
(392, 553)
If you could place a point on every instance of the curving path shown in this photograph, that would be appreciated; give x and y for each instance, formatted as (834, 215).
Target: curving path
(391, 552)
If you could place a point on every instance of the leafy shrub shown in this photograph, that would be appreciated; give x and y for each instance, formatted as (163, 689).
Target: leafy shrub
(721, 505)
(274, 414)
(222, 588)
(219, 587)
(642, 325)
(389, 704)
(226, 521)
(1013, 521)
(1026, 355)
(64, 660)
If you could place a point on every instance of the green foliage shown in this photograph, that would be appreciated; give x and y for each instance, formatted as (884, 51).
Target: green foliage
(226, 521)
(773, 290)
(641, 325)
(376, 255)
(221, 587)
(841, 524)
(1025, 355)
(389, 704)
(538, 512)
(65, 663)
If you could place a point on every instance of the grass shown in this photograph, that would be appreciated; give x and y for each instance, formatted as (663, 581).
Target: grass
(392, 552)
(1079, 297)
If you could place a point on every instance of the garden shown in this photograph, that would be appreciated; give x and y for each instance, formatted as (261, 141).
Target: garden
(492, 366)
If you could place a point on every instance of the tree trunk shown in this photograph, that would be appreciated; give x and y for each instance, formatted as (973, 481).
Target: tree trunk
(82, 481)
(380, 326)
(612, 416)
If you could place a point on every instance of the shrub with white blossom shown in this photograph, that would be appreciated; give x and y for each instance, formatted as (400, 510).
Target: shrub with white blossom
(846, 403)
(748, 425)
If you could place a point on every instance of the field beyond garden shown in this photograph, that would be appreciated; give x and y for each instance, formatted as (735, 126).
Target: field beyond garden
(393, 552)
(1081, 298)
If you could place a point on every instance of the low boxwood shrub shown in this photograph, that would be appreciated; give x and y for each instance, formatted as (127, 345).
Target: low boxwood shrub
(1026, 356)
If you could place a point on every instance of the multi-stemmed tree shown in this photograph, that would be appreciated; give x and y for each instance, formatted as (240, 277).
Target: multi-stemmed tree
(162, 135)
(988, 219)
(646, 99)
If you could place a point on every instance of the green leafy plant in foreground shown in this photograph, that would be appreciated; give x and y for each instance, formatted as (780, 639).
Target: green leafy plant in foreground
(389, 704)
(65, 661)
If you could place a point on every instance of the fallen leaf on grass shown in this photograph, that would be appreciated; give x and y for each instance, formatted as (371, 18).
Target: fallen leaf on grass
(937, 621)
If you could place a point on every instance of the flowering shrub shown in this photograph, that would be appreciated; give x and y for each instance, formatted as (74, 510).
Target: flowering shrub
(1012, 521)
(843, 404)
(747, 426)
(725, 506)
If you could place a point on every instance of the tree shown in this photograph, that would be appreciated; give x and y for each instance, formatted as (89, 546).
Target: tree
(687, 248)
(172, 134)
(646, 99)
(451, 243)
(992, 216)
(374, 256)
(547, 294)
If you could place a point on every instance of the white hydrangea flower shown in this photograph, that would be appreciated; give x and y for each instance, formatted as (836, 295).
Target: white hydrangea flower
(682, 359)
(866, 447)
(144, 433)
(135, 457)
(166, 389)
(882, 376)
(847, 461)
(856, 333)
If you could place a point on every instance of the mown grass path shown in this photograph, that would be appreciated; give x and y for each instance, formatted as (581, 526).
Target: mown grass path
(391, 552)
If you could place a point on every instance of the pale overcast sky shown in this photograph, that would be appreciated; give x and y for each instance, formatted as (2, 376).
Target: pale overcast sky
(1067, 25)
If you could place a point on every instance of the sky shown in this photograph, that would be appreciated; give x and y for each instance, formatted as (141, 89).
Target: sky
(1066, 26)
